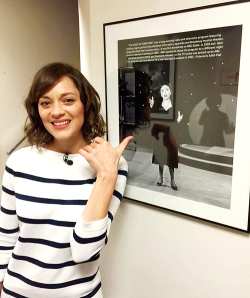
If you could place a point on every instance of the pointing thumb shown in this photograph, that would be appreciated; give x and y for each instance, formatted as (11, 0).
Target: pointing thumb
(124, 144)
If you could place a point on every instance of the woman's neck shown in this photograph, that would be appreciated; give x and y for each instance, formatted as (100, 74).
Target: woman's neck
(67, 146)
(166, 104)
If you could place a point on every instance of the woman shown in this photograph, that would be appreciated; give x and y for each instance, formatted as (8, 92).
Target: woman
(57, 204)
(165, 94)
(165, 104)
(160, 156)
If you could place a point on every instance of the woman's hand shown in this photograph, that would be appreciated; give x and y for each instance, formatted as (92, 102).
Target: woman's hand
(103, 157)
(151, 102)
(104, 160)
(179, 117)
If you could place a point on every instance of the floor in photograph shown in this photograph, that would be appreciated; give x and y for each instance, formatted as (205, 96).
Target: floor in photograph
(193, 184)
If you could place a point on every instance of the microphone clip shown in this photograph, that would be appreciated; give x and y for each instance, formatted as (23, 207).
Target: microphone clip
(67, 160)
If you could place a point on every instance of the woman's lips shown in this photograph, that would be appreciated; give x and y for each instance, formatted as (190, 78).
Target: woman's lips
(61, 124)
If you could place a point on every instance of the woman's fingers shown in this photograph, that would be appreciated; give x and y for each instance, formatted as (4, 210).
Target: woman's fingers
(102, 156)
(98, 140)
(85, 154)
(93, 145)
(123, 145)
(88, 148)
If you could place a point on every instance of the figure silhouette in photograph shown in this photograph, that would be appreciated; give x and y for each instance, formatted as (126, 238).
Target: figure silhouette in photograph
(123, 88)
(165, 153)
(127, 105)
(157, 81)
(142, 100)
(215, 123)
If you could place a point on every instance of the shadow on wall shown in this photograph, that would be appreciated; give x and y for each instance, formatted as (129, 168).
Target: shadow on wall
(212, 121)
(215, 123)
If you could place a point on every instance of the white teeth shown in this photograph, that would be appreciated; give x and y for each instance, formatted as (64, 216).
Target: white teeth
(61, 123)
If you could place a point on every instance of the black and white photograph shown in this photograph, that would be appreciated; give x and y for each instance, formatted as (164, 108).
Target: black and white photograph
(178, 96)
(198, 145)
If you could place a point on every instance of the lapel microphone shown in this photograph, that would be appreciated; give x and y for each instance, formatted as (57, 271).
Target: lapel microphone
(67, 160)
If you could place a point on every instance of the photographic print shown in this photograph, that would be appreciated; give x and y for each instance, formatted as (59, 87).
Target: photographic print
(180, 93)
(161, 76)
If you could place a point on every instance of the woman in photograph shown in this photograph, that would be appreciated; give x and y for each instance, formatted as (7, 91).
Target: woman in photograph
(165, 152)
(163, 105)
(165, 95)
(60, 194)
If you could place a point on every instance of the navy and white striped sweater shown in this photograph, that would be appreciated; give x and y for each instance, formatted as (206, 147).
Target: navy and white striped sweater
(46, 249)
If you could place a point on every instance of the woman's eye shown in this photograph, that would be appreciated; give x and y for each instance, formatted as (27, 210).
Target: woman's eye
(45, 103)
(69, 100)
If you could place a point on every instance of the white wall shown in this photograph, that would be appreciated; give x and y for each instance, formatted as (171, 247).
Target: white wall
(33, 33)
(85, 48)
(153, 252)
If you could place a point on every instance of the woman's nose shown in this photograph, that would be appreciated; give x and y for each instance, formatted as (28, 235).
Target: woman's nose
(57, 110)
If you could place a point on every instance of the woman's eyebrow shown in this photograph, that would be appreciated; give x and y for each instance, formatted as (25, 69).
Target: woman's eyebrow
(62, 95)
(67, 93)
(45, 97)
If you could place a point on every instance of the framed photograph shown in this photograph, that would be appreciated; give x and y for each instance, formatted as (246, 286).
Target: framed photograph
(180, 87)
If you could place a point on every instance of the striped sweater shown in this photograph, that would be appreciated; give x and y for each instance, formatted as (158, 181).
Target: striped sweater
(46, 249)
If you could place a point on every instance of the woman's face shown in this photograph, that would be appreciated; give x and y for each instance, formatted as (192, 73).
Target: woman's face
(62, 111)
(165, 92)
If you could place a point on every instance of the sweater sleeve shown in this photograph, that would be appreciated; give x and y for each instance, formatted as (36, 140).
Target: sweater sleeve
(9, 227)
(89, 238)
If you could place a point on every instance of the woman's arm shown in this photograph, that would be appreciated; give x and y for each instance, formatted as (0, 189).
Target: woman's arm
(104, 159)
(91, 231)
(9, 226)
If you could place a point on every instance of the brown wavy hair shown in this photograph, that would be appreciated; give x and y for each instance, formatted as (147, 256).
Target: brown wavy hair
(44, 80)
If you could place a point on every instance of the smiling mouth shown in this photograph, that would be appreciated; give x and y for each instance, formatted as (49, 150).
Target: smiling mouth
(61, 123)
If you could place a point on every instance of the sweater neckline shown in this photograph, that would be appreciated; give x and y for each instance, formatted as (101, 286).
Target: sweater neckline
(58, 154)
